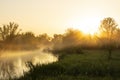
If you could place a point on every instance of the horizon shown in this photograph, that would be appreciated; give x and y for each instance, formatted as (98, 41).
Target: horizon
(54, 17)
(59, 40)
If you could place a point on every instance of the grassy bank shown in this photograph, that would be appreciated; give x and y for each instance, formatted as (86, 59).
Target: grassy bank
(92, 65)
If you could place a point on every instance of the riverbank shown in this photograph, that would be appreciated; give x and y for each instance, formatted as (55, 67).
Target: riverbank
(91, 65)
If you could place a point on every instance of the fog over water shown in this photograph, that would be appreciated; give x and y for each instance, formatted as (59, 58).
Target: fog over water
(13, 64)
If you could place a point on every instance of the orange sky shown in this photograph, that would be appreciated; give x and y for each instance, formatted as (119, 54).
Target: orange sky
(55, 16)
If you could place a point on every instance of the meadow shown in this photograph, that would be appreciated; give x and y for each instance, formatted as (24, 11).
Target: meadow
(90, 65)
(81, 56)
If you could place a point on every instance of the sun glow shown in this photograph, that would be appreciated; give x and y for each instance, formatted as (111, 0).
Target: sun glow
(86, 25)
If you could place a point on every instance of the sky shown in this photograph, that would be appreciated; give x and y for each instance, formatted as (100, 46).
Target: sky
(55, 16)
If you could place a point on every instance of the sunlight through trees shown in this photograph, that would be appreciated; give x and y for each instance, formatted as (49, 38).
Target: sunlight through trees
(108, 29)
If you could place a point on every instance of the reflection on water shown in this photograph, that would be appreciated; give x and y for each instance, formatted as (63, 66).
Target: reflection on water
(12, 64)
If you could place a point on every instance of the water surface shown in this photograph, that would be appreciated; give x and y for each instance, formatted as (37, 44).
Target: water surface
(13, 63)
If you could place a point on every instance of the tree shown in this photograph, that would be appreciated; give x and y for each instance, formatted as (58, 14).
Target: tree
(44, 39)
(57, 41)
(108, 29)
(28, 37)
(72, 37)
(9, 32)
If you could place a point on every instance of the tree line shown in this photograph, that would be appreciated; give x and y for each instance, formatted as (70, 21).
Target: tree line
(11, 38)
(108, 37)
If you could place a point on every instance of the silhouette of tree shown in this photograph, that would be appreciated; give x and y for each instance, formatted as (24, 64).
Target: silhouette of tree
(27, 37)
(72, 37)
(26, 41)
(108, 30)
(44, 40)
(57, 41)
(9, 32)
(69, 42)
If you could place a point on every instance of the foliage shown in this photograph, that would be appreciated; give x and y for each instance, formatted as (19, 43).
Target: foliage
(70, 41)
(9, 32)
(73, 64)
(44, 39)
(108, 29)
(91, 65)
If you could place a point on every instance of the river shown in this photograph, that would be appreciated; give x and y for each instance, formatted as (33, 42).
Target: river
(13, 63)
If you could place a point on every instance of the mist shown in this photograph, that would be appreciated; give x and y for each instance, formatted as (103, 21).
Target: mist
(18, 48)
(13, 63)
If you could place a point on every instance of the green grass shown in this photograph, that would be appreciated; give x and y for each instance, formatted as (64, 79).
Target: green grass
(92, 65)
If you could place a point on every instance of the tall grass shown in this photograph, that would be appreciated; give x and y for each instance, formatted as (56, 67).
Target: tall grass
(92, 65)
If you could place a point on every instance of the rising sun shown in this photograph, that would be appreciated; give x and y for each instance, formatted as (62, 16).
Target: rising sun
(87, 25)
